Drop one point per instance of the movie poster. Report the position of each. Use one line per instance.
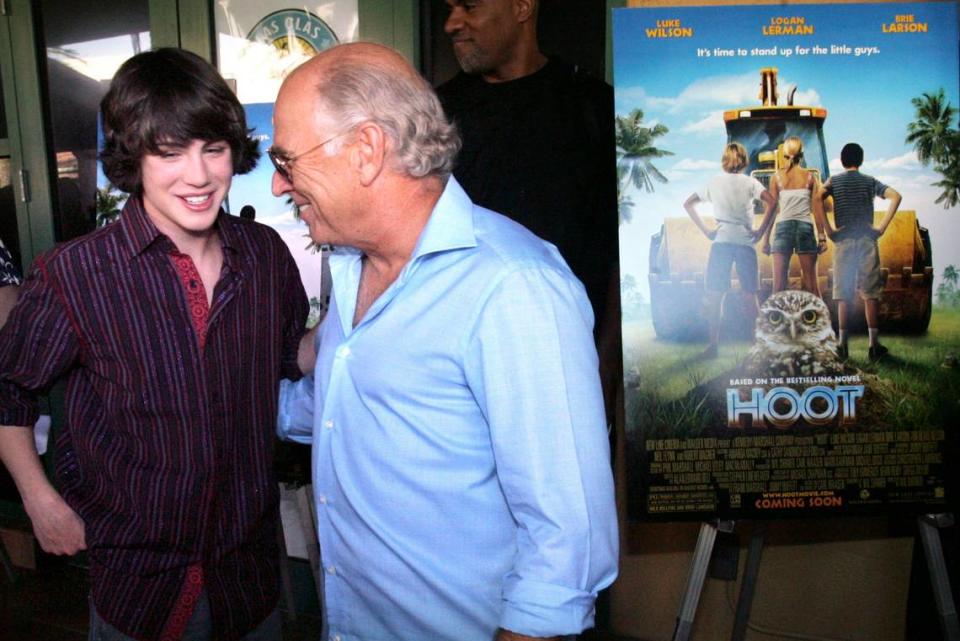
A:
(258, 44)
(745, 395)
(254, 190)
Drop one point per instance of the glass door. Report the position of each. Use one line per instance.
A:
(56, 59)
(83, 49)
(9, 234)
(24, 183)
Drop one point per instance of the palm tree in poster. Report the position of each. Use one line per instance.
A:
(947, 289)
(109, 203)
(636, 151)
(930, 132)
(937, 142)
(951, 275)
(950, 196)
(625, 204)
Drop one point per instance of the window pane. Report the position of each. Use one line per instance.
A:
(84, 49)
(3, 114)
(8, 214)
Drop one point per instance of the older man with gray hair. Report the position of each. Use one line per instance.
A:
(461, 463)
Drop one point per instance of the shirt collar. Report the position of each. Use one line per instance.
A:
(450, 225)
(140, 233)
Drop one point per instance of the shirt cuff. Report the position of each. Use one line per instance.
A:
(541, 609)
(295, 410)
(19, 407)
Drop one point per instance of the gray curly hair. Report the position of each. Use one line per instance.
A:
(403, 105)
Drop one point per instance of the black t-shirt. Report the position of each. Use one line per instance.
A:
(540, 149)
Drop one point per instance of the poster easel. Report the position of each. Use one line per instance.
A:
(929, 526)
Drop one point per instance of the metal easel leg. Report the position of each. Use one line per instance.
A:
(698, 573)
(749, 583)
(929, 525)
(289, 601)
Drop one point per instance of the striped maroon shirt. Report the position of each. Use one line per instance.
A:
(166, 451)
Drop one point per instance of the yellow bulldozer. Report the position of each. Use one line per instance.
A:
(678, 253)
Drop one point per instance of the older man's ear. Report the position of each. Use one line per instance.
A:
(368, 152)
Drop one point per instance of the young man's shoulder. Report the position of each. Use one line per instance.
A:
(95, 245)
(259, 244)
(257, 232)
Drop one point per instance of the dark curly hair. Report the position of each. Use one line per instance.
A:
(169, 96)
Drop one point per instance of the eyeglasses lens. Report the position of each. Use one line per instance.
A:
(280, 164)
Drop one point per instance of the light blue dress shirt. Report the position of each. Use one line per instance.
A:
(461, 466)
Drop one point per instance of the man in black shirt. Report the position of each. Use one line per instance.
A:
(538, 146)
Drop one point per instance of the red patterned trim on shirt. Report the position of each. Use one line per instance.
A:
(196, 293)
(183, 609)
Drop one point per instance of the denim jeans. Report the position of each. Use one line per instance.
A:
(199, 628)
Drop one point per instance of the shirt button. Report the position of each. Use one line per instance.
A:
(323, 500)
(343, 352)
(331, 569)
(328, 424)
(337, 638)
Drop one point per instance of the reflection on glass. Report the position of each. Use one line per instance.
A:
(3, 114)
(8, 214)
(259, 42)
(84, 50)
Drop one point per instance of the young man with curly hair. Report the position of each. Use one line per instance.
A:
(172, 328)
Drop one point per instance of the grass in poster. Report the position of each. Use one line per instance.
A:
(919, 379)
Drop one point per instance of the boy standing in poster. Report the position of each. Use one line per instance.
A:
(732, 194)
(856, 258)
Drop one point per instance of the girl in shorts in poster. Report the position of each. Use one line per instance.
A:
(795, 189)
(733, 195)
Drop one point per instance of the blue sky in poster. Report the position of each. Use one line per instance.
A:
(254, 189)
(867, 97)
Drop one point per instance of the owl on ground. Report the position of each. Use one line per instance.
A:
(793, 337)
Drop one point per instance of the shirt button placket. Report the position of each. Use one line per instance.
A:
(341, 355)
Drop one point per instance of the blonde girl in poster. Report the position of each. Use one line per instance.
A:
(794, 189)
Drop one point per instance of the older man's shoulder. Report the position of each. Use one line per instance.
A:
(509, 243)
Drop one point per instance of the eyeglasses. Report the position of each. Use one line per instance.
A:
(282, 162)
